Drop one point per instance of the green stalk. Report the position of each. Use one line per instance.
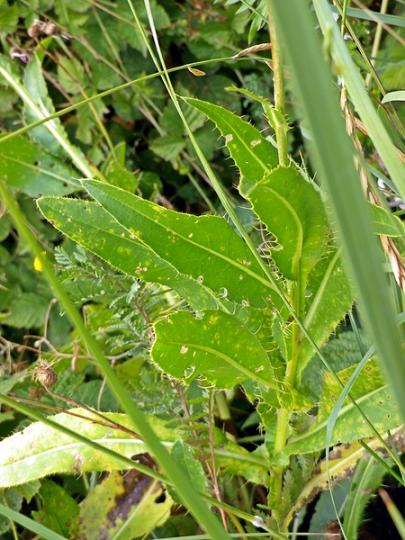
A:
(77, 159)
(358, 94)
(110, 91)
(377, 40)
(189, 497)
(283, 414)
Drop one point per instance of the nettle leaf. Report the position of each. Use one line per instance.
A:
(292, 210)
(115, 171)
(217, 348)
(123, 507)
(92, 227)
(254, 155)
(27, 310)
(204, 247)
(329, 298)
(373, 395)
(31, 169)
(168, 147)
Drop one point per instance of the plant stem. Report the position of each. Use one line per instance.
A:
(377, 40)
(279, 93)
(283, 414)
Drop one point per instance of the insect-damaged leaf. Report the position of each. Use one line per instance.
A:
(292, 210)
(123, 506)
(252, 153)
(92, 227)
(217, 347)
(204, 247)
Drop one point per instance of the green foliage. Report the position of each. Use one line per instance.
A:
(205, 247)
(33, 170)
(95, 229)
(371, 393)
(222, 329)
(292, 211)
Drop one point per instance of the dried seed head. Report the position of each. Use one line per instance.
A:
(45, 374)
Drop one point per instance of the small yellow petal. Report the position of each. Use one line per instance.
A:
(38, 266)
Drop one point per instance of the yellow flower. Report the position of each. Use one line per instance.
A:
(38, 265)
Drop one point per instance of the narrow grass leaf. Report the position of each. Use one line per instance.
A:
(344, 63)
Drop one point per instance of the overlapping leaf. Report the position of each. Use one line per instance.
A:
(91, 226)
(40, 450)
(375, 399)
(329, 298)
(204, 247)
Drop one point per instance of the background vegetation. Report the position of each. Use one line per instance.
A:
(201, 291)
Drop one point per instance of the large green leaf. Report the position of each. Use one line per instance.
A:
(91, 226)
(217, 348)
(375, 399)
(204, 247)
(31, 169)
(292, 210)
(252, 153)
